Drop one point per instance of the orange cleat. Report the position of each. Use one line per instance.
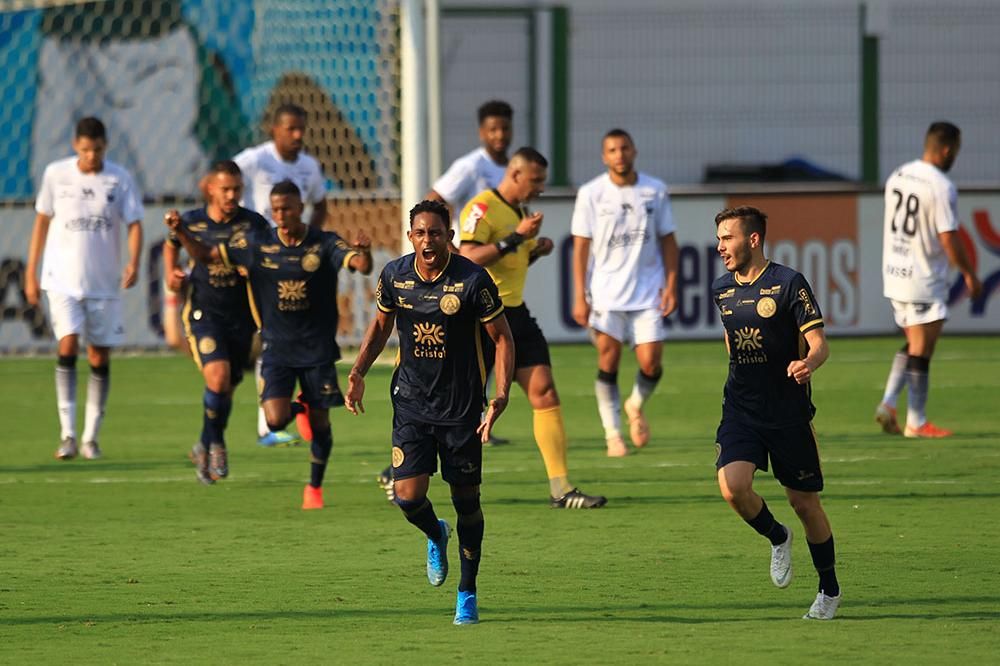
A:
(885, 416)
(312, 498)
(302, 422)
(928, 430)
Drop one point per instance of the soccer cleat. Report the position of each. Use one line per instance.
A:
(928, 430)
(302, 421)
(574, 499)
(278, 438)
(90, 450)
(199, 456)
(823, 608)
(437, 556)
(386, 483)
(496, 441)
(885, 416)
(312, 498)
(466, 608)
(616, 446)
(67, 449)
(781, 562)
(218, 462)
(638, 427)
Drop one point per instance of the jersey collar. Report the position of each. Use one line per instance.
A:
(416, 269)
(521, 210)
(747, 284)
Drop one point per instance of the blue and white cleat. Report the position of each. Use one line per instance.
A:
(466, 608)
(437, 556)
(278, 438)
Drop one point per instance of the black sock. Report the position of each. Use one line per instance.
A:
(211, 426)
(296, 408)
(768, 527)
(319, 455)
(823, 560)
(421, 514)
(470, 539)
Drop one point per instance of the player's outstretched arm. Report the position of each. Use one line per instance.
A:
(802, 371)
(362, 261)
(374, 342)
(581, 259)
(671, 259)
(200, 253)
(959, 259)
(499, 331)
(131, 273)
(39, 233)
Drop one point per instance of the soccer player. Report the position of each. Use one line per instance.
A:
(292, 270)
(624, 280)
(83, 206)
(264, 165)
(440, 303)
(500, 234)
(920, 240)
(217, 319)
(774, 336)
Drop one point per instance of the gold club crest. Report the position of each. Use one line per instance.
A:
(310, 262)
(397, 456)
(766, 307)
(206, 345)
(450, 304)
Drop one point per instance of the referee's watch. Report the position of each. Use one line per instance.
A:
(510, 243)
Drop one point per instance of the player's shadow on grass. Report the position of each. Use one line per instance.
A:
(92, 466)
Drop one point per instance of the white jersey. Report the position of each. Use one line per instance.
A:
(920, 203)
(263, 168)
(465, 178)
(625, 225)
(88, 213)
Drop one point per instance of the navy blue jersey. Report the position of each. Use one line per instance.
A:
(215, 290)
(765, 323)
(440, 373)
(294, 290)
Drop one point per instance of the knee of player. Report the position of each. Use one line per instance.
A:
(804, 504)
(544, 396)
(466, 503)
(275, 423)
(736, 493)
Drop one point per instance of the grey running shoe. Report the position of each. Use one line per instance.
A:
(67, 449)
(199, 456)
(218, 462)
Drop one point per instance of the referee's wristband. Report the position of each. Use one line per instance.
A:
(510, 243)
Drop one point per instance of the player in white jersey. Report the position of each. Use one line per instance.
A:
(83, 206)
(263, 167)
(920, 240)
(625, 280)
(481, 169)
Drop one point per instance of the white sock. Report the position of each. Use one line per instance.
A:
(66, 400)
(98, 386)
(643, 388)
(609, 402)
(896, 381)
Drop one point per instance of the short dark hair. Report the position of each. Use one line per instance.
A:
(91, 128)
(434, 208)
(943, 133)
(228, 167)
(529, 154)
(286, 188)
(753, 219)
(287, 110)
(495, 107)
(618, 132)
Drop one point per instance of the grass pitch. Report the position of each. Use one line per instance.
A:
(129, 560)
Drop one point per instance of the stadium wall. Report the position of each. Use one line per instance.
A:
(833, 237)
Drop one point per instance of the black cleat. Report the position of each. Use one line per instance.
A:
(574, 499)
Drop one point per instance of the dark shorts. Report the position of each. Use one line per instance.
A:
(317, 383)
(793, 451)
(530, 346)
(416, 447)
(211, 341)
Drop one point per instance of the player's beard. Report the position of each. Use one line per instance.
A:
(742, 258)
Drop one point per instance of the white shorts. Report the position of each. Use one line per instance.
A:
(912, 314)
(637, 326)
(99, 320)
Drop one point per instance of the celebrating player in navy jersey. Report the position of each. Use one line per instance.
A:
(774, 334)
(217, 319)
(440, 304)
(292, 270)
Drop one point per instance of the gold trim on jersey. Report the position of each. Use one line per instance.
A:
(253, 306)
(440, 275)
(480, 356)
(810, 325)
(384, 309)
(490, 317)
(347, 259)
(224, 254)
(186, 322)
(747, 284)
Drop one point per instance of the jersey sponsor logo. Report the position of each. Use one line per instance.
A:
(292, 295)
(206, 345)
(628, 237)
(198, 227)
(403, 284)
(766, 307)
(487, 298)
(806, 302)
(310, 262)
(92, 223)
(270, 249)
(748, 339)
(728, 293)
(267, 262)
(397, 456)
(456, 288)
(239, 240)
(87, 193)
(450, 304)
(476, 213)
(771, 291)
(429, 339)
(401, 302)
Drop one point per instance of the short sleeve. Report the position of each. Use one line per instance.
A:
(244, 160)
(239, 251)
(43, 202)
(454, 184)
(475, 226)
(803, 304)
(665, 216)
(946, 209)
(583, 215)
(487, 299)
(132, 210)
(383, 292)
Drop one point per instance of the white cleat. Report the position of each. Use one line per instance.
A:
(90, 451)
(824, 608)
(616, 446)
(781, 562)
